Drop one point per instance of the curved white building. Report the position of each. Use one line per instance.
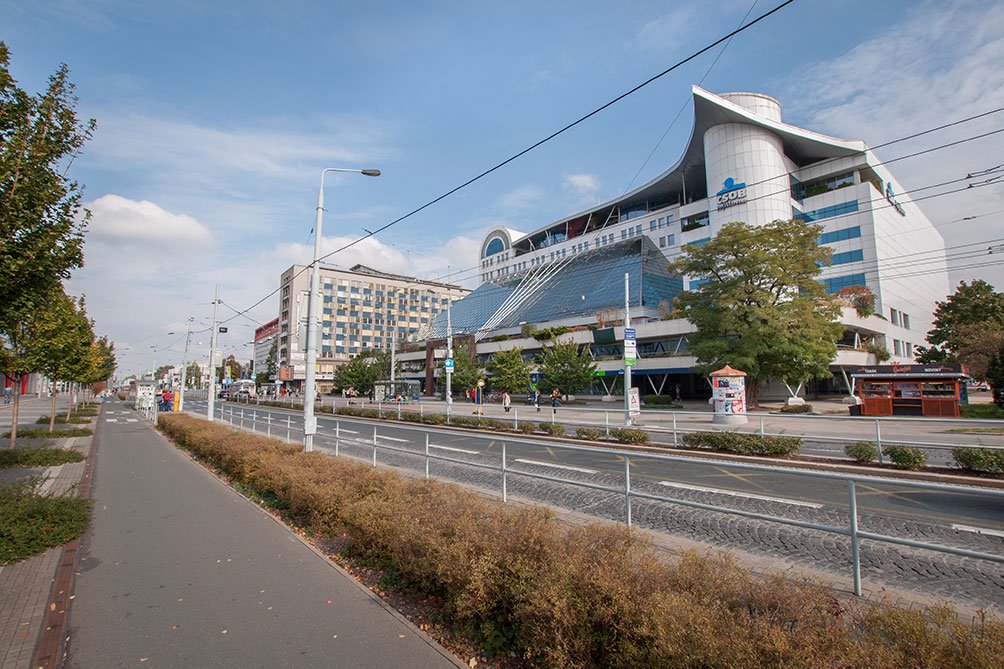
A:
(743, 163)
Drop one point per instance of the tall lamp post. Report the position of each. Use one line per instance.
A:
(309, 383)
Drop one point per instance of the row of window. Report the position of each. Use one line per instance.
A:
(825, 212)
(899, 318)
(838, 283)
(840, 235)
(902, 349)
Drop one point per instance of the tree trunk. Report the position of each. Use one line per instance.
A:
(752, 393)
(13, 420)
(52, 409)
(69, 401)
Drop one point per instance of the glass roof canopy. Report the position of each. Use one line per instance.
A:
(575, 286)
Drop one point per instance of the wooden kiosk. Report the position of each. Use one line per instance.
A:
(910, 390)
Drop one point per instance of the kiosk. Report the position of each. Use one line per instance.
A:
(728, 395)
(911, 390)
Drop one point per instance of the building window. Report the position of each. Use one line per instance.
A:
(905, 320)
(828, 212)
(662, 242)
(697, 283)
(897, 346)
(693, 222)
(652, 225)
(893, 316)
(840, 235)
(846, 257)
(838, 283)
(699, 242)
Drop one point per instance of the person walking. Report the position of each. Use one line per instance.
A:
(536, 399)
(555, 400)
(506, 401)
(7, 392)
(677, 392)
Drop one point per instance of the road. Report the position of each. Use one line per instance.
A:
(179, 570)
(960, 519)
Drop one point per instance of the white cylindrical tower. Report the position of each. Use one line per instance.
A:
(746, 171)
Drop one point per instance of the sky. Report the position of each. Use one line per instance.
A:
(214, 121)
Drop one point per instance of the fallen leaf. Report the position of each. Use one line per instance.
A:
(473, 662)
(52, 606)
(223, 631)
(143, 659)
(328, 602)
(400, 636)
(334, 636)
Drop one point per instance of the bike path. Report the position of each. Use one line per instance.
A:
(178, 570)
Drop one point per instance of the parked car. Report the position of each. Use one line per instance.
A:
(978, 386)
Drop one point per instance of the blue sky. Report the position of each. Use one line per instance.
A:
(215, 119)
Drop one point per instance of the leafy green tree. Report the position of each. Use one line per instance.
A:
(193, 375)
(761, 308)
(466, 370)
(565, 367)
(271, 366)
(995, 376)
(509, 371)
(229, 368)
(41, 231)
(963, 325)
(364, 370)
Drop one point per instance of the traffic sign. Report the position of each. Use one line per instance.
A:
(448, 363)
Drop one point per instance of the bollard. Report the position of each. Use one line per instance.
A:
(675, 443)
(627, 488)
(515, 418)
(505, 477)
(606, 420)
(761, 427)
(426, 455)
(855, 556)
(878, 440)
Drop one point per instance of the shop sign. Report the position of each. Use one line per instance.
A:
(732, 194)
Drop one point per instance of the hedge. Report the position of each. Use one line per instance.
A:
(980, 460)
(906, 457)
(743, 444)
(542, 594)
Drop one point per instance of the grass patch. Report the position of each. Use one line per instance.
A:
(62, 420)
(981, 411)
(39, 433)
(31, 524)
(542, 594)
(38, 457)
(977, 430)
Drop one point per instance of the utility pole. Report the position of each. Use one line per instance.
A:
(211, 397)
(627, 363)
(449, 354)
(184, 365)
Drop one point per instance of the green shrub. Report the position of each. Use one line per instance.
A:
(39, 433)
(796, 408)
(553, 429)
(589, 433)
(861, 451)
(62, 420)
(906, 457)
(629, 435)
(660, 400)
(982, 460)
(743, 444)
(527, 427)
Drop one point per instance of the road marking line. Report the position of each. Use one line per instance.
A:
(581, 470)
(132, 420)
(977, 530)
(403, 441)
(111, 420)
(733, 493)
(451, 448)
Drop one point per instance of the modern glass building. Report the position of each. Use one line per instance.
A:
(741, 163)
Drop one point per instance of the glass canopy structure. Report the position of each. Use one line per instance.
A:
(573, 287)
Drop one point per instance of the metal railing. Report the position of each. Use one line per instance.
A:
(238, 417)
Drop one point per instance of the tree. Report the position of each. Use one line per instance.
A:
(963, 324)
(995, 376)
(509, 371)
(271, 371)
(230, 368)
(364, 370)
(466, 370)
(760, 308)
(41, 231)
(193, 375)
(563, 366)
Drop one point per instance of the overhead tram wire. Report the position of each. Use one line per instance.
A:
(543, 141)
(684, 105)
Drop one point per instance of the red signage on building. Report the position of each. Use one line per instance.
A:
(266, 330)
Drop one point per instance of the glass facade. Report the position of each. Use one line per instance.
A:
(838, 283)
(840, 235)
(579, 285)
(827, 212)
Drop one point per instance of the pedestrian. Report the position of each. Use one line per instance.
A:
(7, 392)
(677, 392)
(536, 399)
(506, 401)
(555, 399)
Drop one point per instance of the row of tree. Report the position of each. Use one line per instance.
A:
(42, 226)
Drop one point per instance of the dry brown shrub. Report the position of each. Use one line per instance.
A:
(592, 596)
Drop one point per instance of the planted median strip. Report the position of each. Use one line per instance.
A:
(525, 586)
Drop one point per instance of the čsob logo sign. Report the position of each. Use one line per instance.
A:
(732, 194)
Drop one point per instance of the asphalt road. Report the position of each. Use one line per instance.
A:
(965, 520)
(178, 570)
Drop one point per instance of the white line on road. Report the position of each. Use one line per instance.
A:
(132, 420)
(581, 470)
(733, 493)
(451, 448)
(403, 441)
(111, 420)
(977, 530)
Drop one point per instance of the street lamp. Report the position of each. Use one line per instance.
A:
(309, 383)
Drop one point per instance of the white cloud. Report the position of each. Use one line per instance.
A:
(520, 199)
(666, 32)
(586, 187)
(941, 63)
(118, 219)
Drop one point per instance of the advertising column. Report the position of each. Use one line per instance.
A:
(728, 394)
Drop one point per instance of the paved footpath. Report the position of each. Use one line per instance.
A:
(178, 570)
